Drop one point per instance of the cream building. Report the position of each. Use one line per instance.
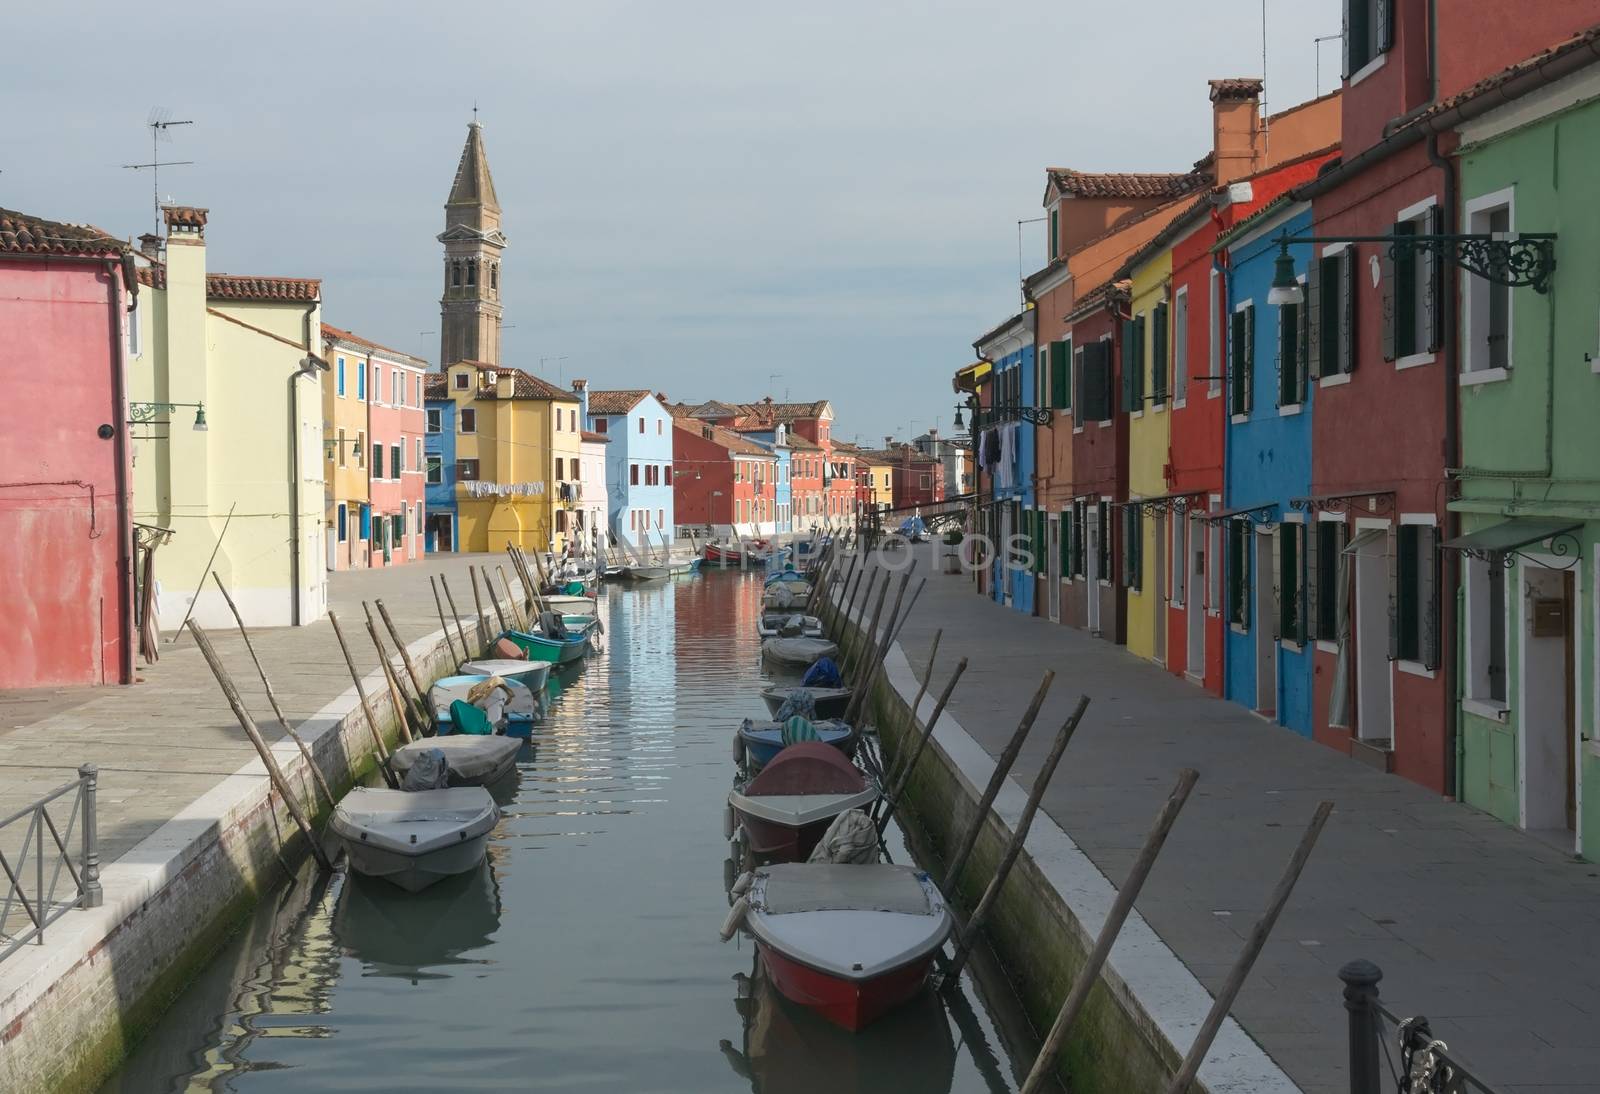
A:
(224, 391)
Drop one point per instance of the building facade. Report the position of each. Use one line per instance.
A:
(1006, 454)
(639, 462)
(441, 526)
(470, 312)
(721, 480)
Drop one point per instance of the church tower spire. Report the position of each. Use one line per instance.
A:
(469, 311)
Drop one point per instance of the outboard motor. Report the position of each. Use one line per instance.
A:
(550, 623)
(430, 771)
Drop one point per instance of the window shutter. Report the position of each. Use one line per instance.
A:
(1060, 376)
(1158, 359)
(1428, 596)
(1276, 576)
(1236, 379)
(1346, 68)
(1041, 378)
(1389, 301)
(1347, 311)
(1383, 15)
(1064, 543)
(1249, 357)
(1432, 293)
(1128, 347)
(1141, 343)
(1288, 337)
(1313, 319)
(1301, 348)
(1394, 594)
(1311, 628)
(1081, 356)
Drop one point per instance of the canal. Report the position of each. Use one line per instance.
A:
(583, 956)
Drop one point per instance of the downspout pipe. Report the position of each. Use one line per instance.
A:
(119, 403)
(1452, 443)
(307, 367)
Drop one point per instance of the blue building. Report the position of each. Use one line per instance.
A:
(638, 462)
(776, 440)
(441, 529)
(1010, 348)
(1268, 463)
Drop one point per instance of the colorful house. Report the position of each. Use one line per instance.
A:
(373, 424)
(1010, 442)
(66, 523)
(517, 461)
(805, 483)
(1092, 594)
(593, 537)
(242, 490)
(720, 477)
(639, 461)
(776, 441)
(441, 525)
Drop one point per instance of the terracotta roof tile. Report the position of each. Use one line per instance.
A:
(221, 286)
(616, 402)
(186, 216)
(331, 333)
(725, 438)
(590, 435)
(1110, 292)
(23, 234)
(1084, 184)
(1235, 87)
(433, 386)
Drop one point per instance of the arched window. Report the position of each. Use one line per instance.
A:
(455, 273)
(494, 275)
(472, 273)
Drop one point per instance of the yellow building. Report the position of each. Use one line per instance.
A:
(880, 475)
(518, 458)
(223, 378)
(344, 423)
(1149, 437)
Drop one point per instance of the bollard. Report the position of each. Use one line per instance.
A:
(93, 895)
(1360, 999)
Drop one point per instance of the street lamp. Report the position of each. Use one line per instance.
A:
(142, 413)
(1285, 286)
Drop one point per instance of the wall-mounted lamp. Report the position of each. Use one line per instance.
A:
(145, 413)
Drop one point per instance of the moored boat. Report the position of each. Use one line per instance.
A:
(777, 624)
(760, 742)
(557, 650)
(787, 807)
(471, 759)
(799, 653)
(851, 942)
(415, 838)
(826, 702)
(572, 605)
(520, 712)
(646, 573)
(717, 554)
(530, 674)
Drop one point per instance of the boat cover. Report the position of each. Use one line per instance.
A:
(829, 887)
(551, 626)
(425, 767)
(851, 839)
(823, 674)
(810, 767)
(799, 651)
(469, 720)
(469, 756)
(801, 703)
(780, 596)
(503, 666)
(798, 730)
(415, 824)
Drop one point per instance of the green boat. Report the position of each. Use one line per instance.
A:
(560, 651)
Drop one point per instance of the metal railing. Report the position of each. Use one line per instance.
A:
(1420, 1062)
(28, 909)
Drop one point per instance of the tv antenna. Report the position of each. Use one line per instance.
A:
(159, 122)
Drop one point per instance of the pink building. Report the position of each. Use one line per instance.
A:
(66, 525)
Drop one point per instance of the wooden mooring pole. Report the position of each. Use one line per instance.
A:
(445, 626)
(1252, 950)
(402, 708)
(405, 658)
(467, 654)
(272, 696)
(1019, 836)
(268, 760)
(867, 638)
(1045, 1062)
(366, 705)
(903, 778)
(1002, 767)
(481, 629)
(517, 615)
(891, 632)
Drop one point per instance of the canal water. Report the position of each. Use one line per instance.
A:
(583, 956)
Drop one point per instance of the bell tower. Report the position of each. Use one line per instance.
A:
(469, 310)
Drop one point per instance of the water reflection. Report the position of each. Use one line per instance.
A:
(417, 936)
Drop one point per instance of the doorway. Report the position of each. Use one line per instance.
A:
(1091, 522)
(1374, 675)
(1266, 621)
(1194, 589)
(1053, 578)
(1003, 556)
(1158, 601)
(441, 532)
(1547, 699)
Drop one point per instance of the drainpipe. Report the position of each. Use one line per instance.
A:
(307, 367)
(119, 398)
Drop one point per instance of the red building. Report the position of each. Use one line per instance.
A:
(805, 483)
(1380, 359)
(66, 525)
(720, 480)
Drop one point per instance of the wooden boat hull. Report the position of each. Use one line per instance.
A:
(540, 648)
(647, 573)
(851, 1004)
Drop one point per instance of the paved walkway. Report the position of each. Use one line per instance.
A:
(1489, 932)
(166, 741)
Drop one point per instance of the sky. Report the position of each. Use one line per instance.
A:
(713, 200)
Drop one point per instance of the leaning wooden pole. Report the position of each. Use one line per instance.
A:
(881, 654)
(448, 640)
(482, 627)
(903, 778)
(841, 615)
(1019, 836)
(869, 651)
(866, 636)
(494, 601)
(268, 760)
(1002, 767)
(927, 678)
(455, 613)
(839, 579)
(405, 658)
(272, 696)
(366, 704)
(402, 709)
(1045, 1062)
(517, 615)
(1252, 949)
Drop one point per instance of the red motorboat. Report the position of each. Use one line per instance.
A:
(851, 942)
(754, 552)
(786, 809)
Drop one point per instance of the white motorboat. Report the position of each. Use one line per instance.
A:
(474, 759)
(532, 675)
(772, 624)
(571, 605)
(414, 839)
(799, 653)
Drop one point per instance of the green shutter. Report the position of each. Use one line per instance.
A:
(1064, 542)
(1055, 234)
(1061, 376)
(1289, 581)
(1347, 311)
(1158, 357)
(1288, 355)
(1129, 344)
(1311, 312)
(1249, 357)
(1236, 364)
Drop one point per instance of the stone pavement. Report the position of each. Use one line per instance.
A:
(166, 741)
(1489, 932)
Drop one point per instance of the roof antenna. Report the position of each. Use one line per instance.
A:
(1316, 44)
(159, 122)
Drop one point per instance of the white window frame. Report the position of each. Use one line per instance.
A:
(1111, 420)
(1289, 520)
(1214, 590)
(1486, 203)
(1178, 559)
(1178, 336)
(1336, 378)
(1426, 520)
(461, 421)
(434, 421)
(1418, 212)
(1241, 419)
(461, 381)
(1324, 644)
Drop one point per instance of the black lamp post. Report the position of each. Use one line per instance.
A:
(1514, 259)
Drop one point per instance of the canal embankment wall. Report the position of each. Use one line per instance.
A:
(71, 1009)
(1146, 1006)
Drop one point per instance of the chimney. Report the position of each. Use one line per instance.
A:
(1236, 128)
(582, 388)
(150, 246)
(888, 443)
(185, 223)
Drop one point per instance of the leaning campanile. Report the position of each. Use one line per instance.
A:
(469, 311)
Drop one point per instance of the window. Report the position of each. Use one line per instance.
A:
(601, 424)
(1239, 574)
(467, 470)
(377, 461)
(1291, 593)
(561, 467)
(1368, 32)
(1080, 512)
(1055, 234)
(660, 425)
(377, 384)
(1134, 340)
(669, 474)
(1411, 284)
(435, 467)
(397, 525)
(339, 375)
(366, 522)
(1103, 518)
(397, 460)
(344, 523)
(361, 450)
(1061, 375)
(494, 275)
(1291, 370)
(641, 425)
(419, 464)
(1324, 557)
(1330, 322)
(472, 273)
(1093, 402)
(1214, 338)
(561, 520)
(435, 421)
(136, 330)
(1413, 631)
(461, 380)
(661, 518)
(361, 382)
(1133, 547)
(1213, 568)
(455, 274)
(1487, 306)
(1180, 347)
(418, 399)
(1486, 630)
(397, 388)
(1158, 354)
(469, 420)
(1242, 357)
(341, 449)
(633, 474)
(1178, 576)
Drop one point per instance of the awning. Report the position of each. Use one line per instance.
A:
(1509, 535)
(969, 378)
(1264, 509)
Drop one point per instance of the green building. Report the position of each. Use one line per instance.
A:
(1527, 493)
